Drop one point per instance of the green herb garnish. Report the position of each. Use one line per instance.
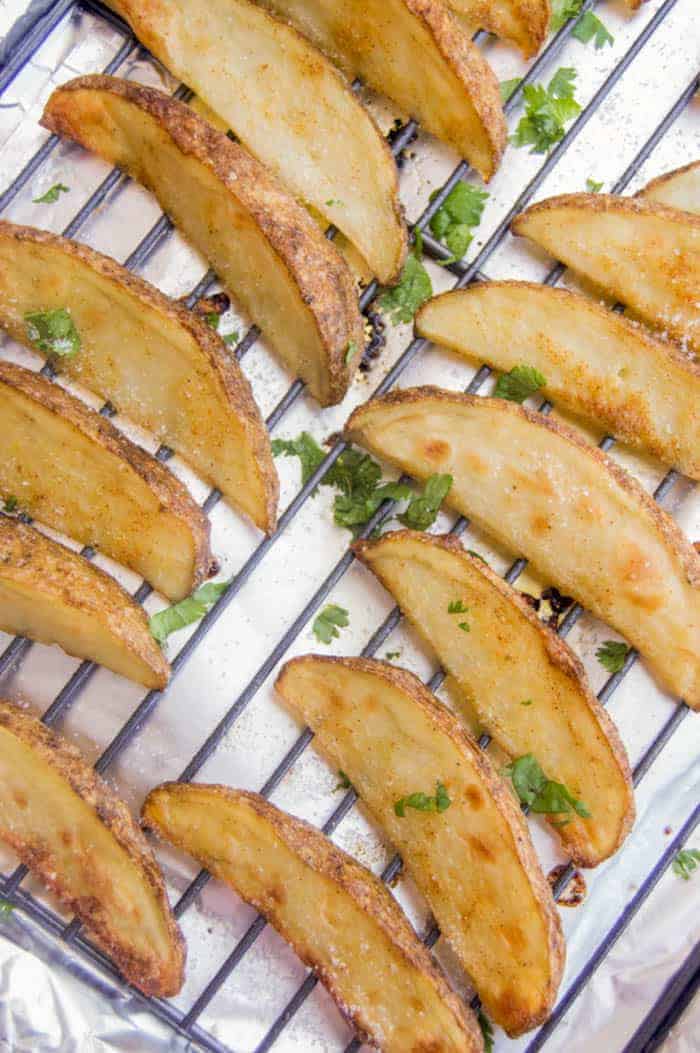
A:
(52, 194)
(352, 350)
(10, 503)
(547, 110)
(612, 654)
(187, 611)
(414, 287)
(305, 448)
(391, 655)
(519, 383)
(527, 702)
(343, 782)
(459, 213)
(486, 1030)
(328, 623)
(686, 862)
(232, 338)
(53, 332)
(538, 792)
(507, 87)
(477, 555)
(422, 802)
(590, 28)
(6, 908)
(423, 508)
(212, 318)
(593, 186)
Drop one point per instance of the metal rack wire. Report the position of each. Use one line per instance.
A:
(186, 1022)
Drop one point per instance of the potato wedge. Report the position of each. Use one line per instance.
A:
(415, 52)
(70, 468)
(73, 832)
(524, 22)
(677, 189)
(585, 524)
(644, 254)
(262, 244)
(339, 918)
(596, 362)
(474, 862)
(288, 104)
(52, 595)
(509, 657)
(150, 357)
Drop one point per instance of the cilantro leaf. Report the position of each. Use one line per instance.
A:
(486, 1030)
(562, 11)
(422, 802)
(423, 509)
(53, 332)
(391, 655)
(589, 27)
(612, 654)
(52, 195)
(6, 908)
(232, 338)
(527, 702)
(458, 214)
(507, 87)
(414, 287)
(10, 503)
(592, 186)
(456, 607)
(686, 862)
(305, 448)
(538, 792)
(477, 555)
(328, 623)
(343, 781)
(212, 318)
(187, 611)
(351, 351)
(547, 110)
(519, 383)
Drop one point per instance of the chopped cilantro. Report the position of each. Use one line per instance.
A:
(589, 27)
(212, 318)
(507, 87)
(328, 623)
(423, 509)
(422, 802)
(547, 110)
(476, 555)
(391, 655)
(343, 782)
(305, 448)
(232, 338)
(612, 654)
(519, 383)
(686, 862)
(52, 194)
(350, 353)
(593, 186)
(53, 332)
(333, 201)
(538, 792)
(562, 11)
(527, 702)
(456, 607)
(6, 908)
(458, 214)
(486, 1030)
(10, 503)
(414, 287)
(187, 611)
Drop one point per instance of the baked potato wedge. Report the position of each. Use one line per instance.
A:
(528, 689)
(473, 860)
(73, 832)
(159, 363)
(596, 362)
(340, 919)
(584, 523)
(290, 107)
(71, 469)
(54, 596)
(522, 22)
(645, 254)
(263, 245)
(677, 189)
(415, 52)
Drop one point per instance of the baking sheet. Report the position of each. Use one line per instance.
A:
(47, 1008)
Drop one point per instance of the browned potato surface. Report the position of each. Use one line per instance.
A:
(71, 469)
(473, 861)
(528, 689)
(263, 245)
(339, 918)
(524, 22)
(677, 189)
(72, 831)
(585, 524)
(595, 362)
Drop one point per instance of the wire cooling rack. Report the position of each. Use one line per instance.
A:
(187, 1019)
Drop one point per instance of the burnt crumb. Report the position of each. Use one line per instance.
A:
(395, 131)
(376, 343)
(668, 830)
(532, 601)
(333, 438)
(575, 892)
(558, 605)
(218, 304)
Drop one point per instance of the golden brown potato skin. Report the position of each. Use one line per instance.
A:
(581, 519)
(642, 253)
(524, 22)
(339, 918)
(53, 595)
(677, 189)
(596, 362)
(509, 656)
(72, 831)
(154, 360)
(415, 52)
(71, 469)
(474, 862)
(263, 245)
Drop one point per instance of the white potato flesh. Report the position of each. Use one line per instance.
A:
(677, 189)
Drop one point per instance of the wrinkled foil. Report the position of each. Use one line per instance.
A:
(45, 1002)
